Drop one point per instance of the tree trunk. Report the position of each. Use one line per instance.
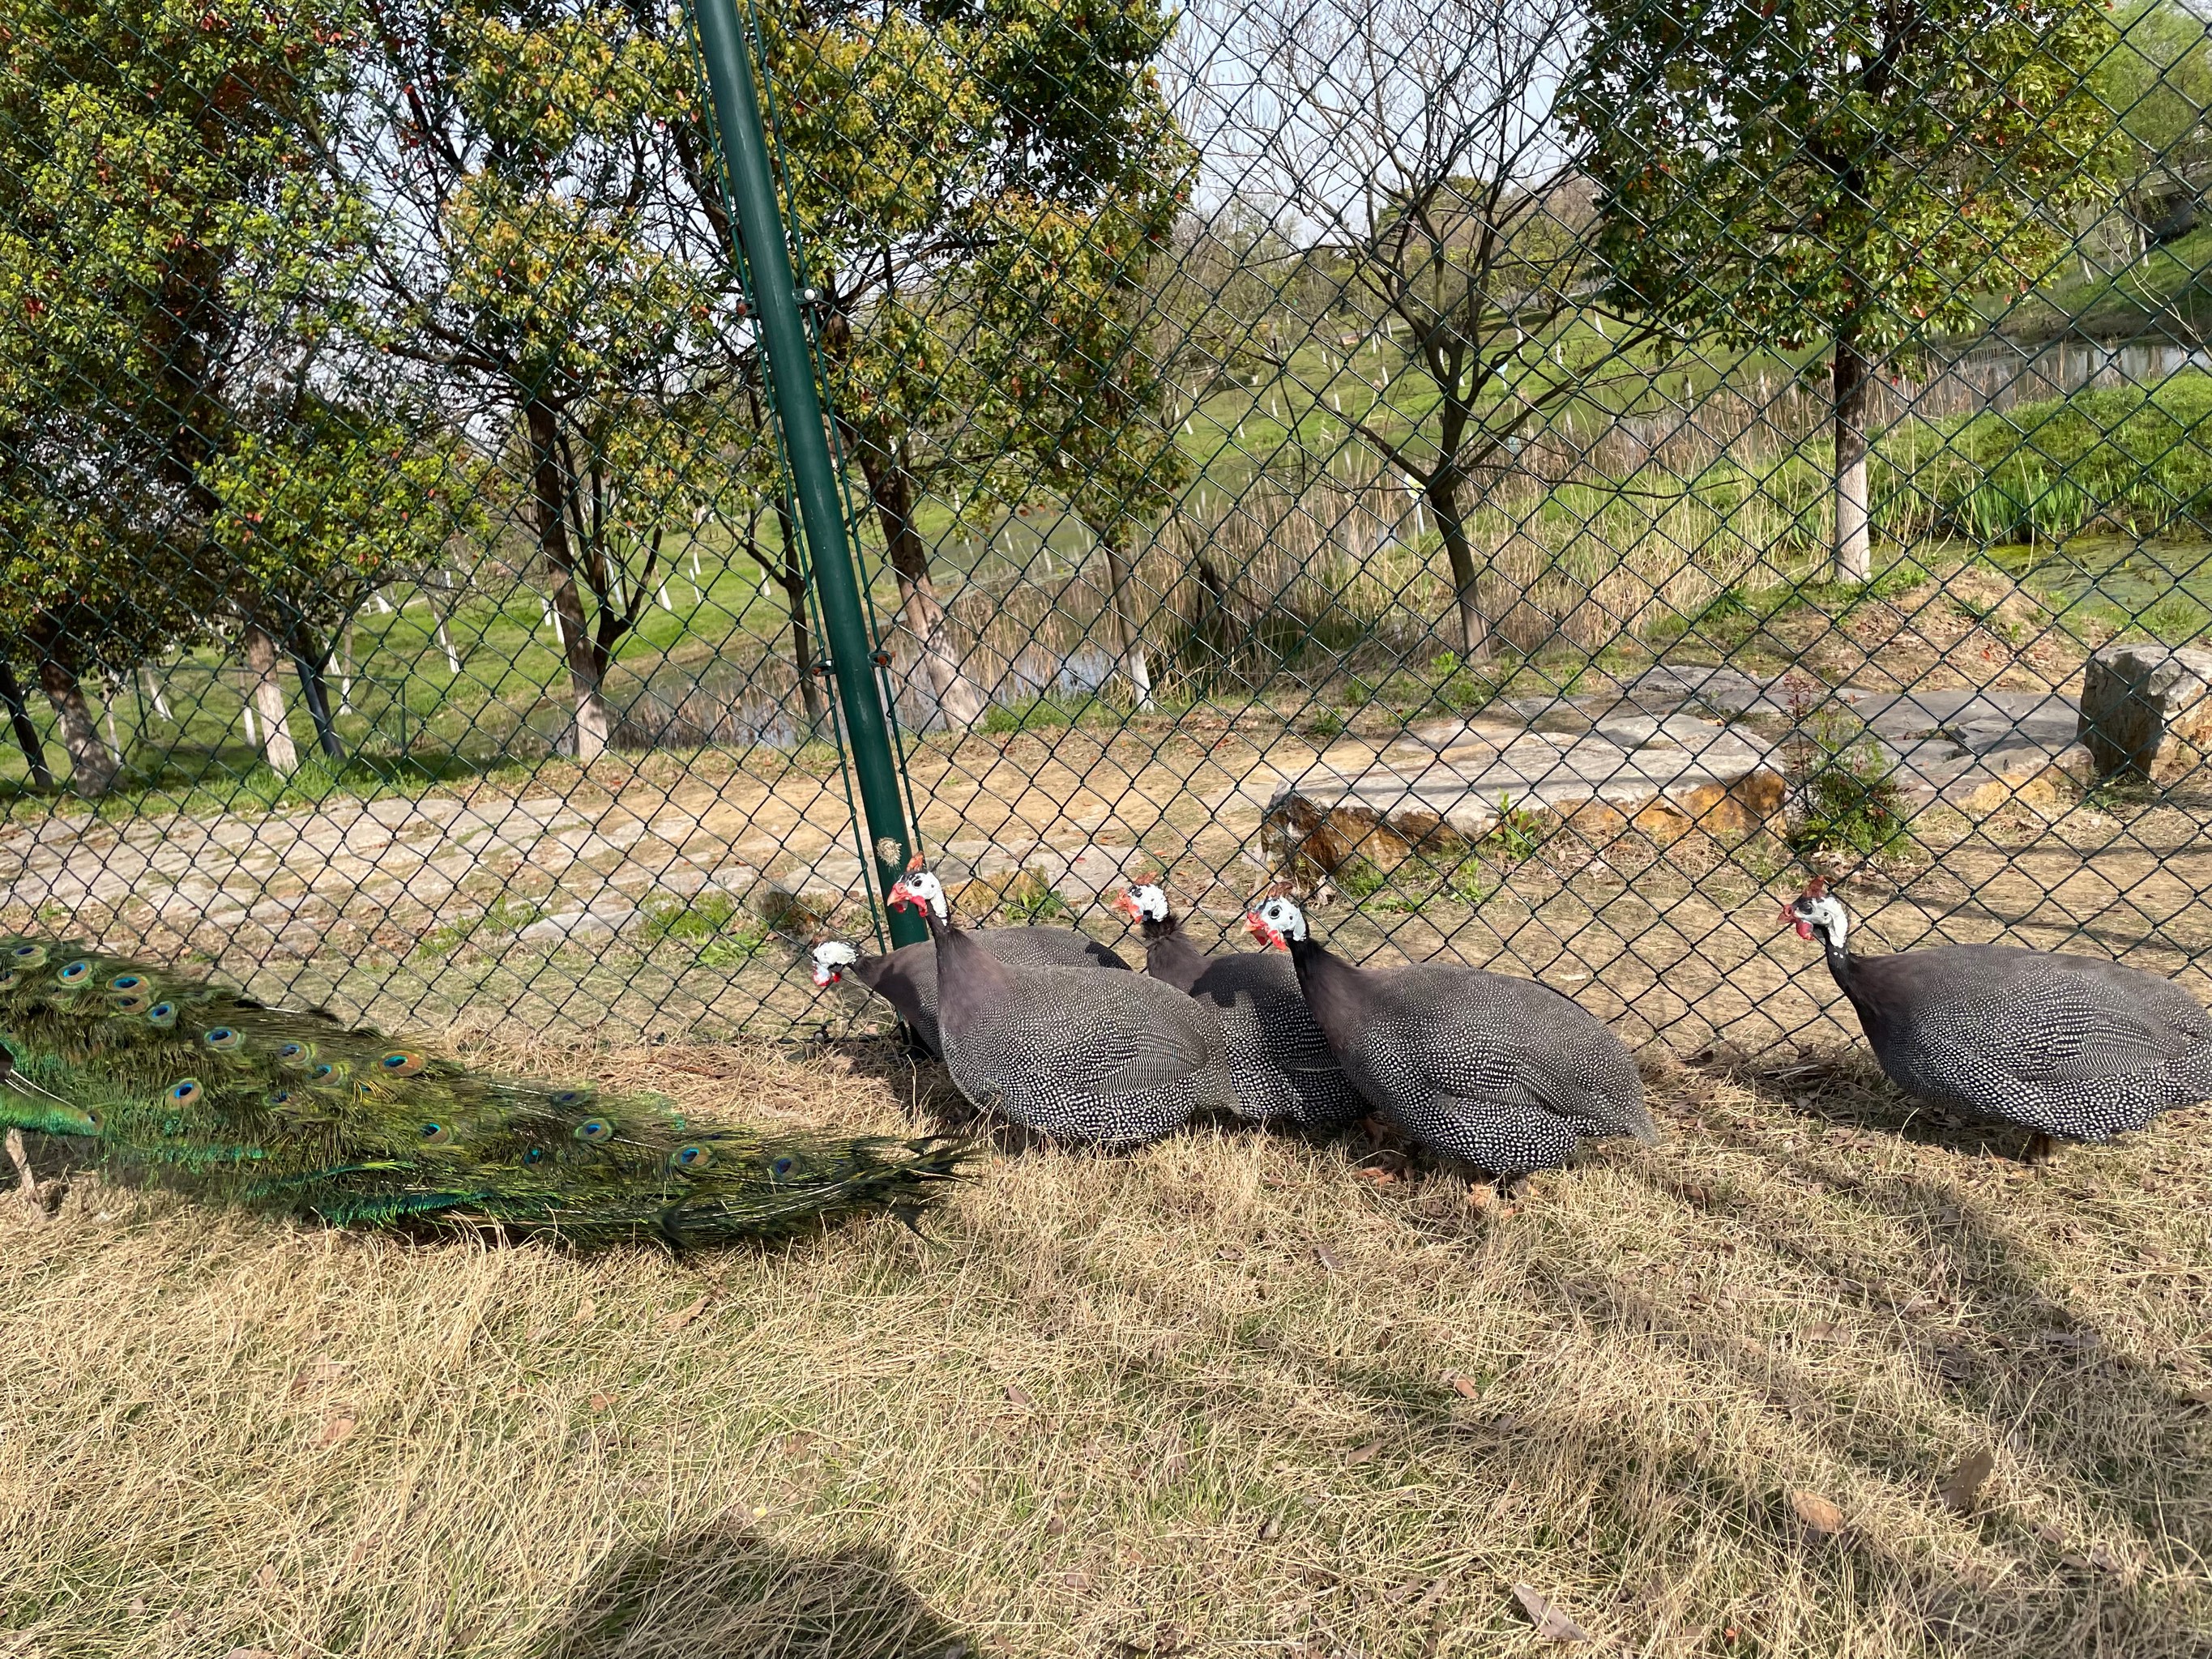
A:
(27, 735)
(892, 492)
(1854, 543)
(260, 654)
(1128, 642)
(315, 692)
(1442, 489)
(91, 767)
(587, 736)
(793, 579)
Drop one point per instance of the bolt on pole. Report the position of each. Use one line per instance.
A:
(751, 182)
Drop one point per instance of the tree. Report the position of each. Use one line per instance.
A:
(1417, 148)
(548, 264)
(930, 148)
(1089, 402)
(1840, 172)
(177, 270)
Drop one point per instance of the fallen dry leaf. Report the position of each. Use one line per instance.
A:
(1328, 1258)
(2103, 1559)
(1817, 1514)
(1552, 1623)
(1361, 1453)
(1465, 1387)
(586, 1311)
(1018, 1395)
(336, 1430)
(268, 1578)
(684, 1315)
(1963, 1484)
(599, 1402)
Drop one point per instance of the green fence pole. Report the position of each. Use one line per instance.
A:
(798, 412)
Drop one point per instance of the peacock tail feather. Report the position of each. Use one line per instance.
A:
(178, 1081)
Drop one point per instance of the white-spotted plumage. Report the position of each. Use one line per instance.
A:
(1504, 1073)
(1106, 1059)
(1281, 1061)
(2072, 1046)
(907, 977)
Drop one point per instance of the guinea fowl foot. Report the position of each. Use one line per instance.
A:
(2039, 1149)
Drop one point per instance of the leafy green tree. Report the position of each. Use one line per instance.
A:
(1085, 413)
(931, 149)
(548, 261)
(179, 265)
(1835, 173)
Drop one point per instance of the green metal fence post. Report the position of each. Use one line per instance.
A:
(798, 412)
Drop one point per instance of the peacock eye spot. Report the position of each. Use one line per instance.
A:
(324, 1070)
(400, 1063)
(27, 953)
(564, 1099)
(437, 1134)
(691, 1158)
(595, 1131)
(126, 982)
(533, 1155)
(280, 1097)
(222, 1039)
(75, 974)
(163, 1014)
(782, 1167)
(185, 1090)
(10, 980)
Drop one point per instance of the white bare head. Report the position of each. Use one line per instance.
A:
(832, 956)
(1276, 921)
(920, 889)
(1816, 911)
(1142, 900)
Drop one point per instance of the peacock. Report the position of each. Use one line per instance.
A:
(176, 1081)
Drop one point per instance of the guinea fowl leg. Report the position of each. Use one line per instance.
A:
(2039, 1149)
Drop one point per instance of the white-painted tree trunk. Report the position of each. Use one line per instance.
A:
(276, 747)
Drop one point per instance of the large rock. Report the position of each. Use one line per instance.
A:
(1665, 776)
(2147, 711)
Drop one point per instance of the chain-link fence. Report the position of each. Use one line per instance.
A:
(1541, 476)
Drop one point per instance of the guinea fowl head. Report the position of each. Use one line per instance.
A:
(1816, 911)
(1276, 921)
(919, 889)
(832, 956)
(1144, 900)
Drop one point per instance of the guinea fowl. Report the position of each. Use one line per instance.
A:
(1277, 1054)
(907, 977)
(1504, 1073)
(1113, 1060)
(2076, 1047)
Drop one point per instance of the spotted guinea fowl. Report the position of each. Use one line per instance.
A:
(1282, 1063)
(1112, 1060)
(907, 977)
(1504, 1073)
(2074, 1047)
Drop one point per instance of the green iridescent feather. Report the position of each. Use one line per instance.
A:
(178, 1081)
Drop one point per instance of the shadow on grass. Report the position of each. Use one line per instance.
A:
(723, 1592)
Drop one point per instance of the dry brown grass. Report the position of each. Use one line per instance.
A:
(1234, 1394)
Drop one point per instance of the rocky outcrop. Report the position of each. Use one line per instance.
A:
(2147, 711)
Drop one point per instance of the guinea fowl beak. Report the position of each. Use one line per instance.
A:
(1257, 926)
(1790, 918)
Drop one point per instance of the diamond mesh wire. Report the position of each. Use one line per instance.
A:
(1543, 478)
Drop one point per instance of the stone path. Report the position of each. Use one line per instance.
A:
(1679, 749)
